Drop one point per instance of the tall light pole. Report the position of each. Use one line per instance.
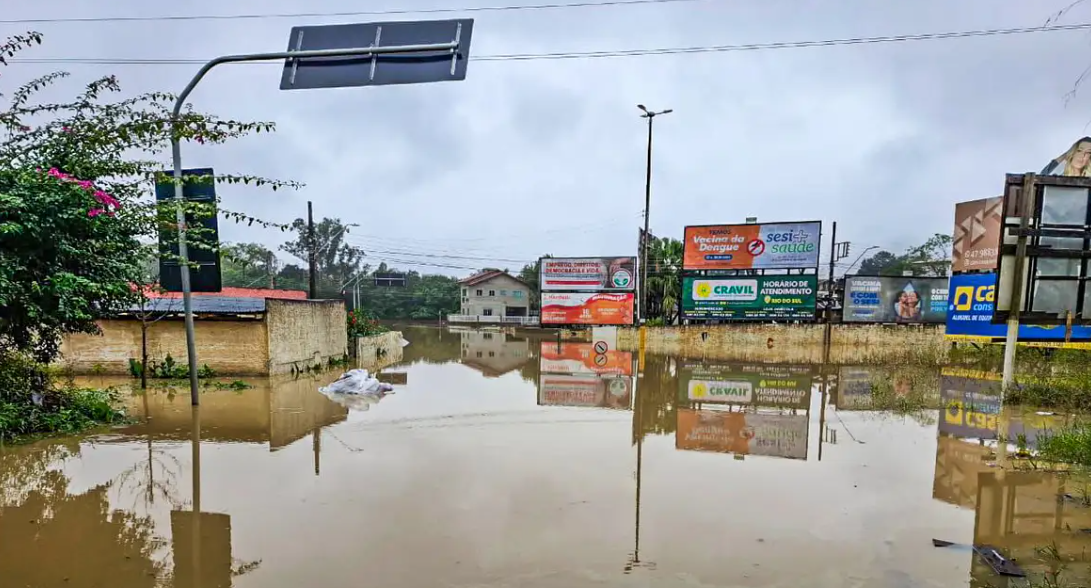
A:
(650, 115)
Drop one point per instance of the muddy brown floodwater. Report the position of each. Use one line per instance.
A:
(505, 460)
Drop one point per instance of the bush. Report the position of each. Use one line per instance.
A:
(32, 403)
(363, 324)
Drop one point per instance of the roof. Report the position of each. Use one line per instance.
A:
(230, 292)
(205, 305)
(487, 275)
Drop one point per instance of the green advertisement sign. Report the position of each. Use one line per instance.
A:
(751, 384)
(749, 298)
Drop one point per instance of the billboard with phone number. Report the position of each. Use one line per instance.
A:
(970, 314)
(891, 299)
(749, 298)
(752, 246)
(757, 384)
(588, 274)
(587, 308)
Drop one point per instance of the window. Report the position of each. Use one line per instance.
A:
(492, 354)
(492, 292)
(486, 312)
(479, 354)
(479, 292)
(503, 292)
(517, 293)
(465, 291)
(486, 336)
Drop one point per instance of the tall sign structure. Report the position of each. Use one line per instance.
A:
(587, 291)
(332, 56)
(751, 272)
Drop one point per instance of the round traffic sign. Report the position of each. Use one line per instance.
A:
(601, 347)
(600, 360)
(755, 247)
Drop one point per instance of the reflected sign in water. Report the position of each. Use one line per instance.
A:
(585, 390)
(971, 406)
(757, 384)
(741, 433)
(581, 358)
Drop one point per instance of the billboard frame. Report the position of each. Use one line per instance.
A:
(1026, 209)
(818, 249)
(580, 326)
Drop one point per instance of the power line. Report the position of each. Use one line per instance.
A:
(632, 52)
(390, 12)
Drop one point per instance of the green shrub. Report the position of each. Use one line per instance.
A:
(32, 403)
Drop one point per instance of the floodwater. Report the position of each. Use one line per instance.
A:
(505, 461)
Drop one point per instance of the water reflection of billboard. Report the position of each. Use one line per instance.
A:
(580, 358)
(970, 407)
(213, 561)
(585, 390)
(772, 435)
(759, 384)
(854, 388)
(587, 309)
(895, 300)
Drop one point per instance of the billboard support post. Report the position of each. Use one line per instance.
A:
(336, 76)
(828, 334)
(1026, 198)
(641, 314)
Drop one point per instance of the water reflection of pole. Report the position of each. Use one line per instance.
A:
(822, 411)
(638, 419)
(316, 444)
(196, 448)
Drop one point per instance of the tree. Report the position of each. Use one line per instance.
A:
(531, 274)
(880, 264)
(76, 200)
(664, 279)
(248, 265)
(335, 260)
(931, 258)
(146, 283)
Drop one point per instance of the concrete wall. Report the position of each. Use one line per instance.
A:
(379, 351)
(304, 333)
(230, 347)
(851, 344)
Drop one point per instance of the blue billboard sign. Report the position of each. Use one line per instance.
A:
(970, 313)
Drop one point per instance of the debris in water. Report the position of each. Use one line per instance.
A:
(990, 556)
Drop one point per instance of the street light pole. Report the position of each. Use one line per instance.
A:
(650, 115)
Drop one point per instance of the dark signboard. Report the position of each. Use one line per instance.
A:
(749, 298)
(202, 249)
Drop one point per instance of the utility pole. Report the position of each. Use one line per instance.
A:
(642, 313)
(271, 267)
(828, 334)
(1015, 307)
(312, 292)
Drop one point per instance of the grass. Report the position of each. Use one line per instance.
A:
(1070, 445)
(65, 411)
(907, 391)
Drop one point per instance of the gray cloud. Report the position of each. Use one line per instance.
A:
(525, 158)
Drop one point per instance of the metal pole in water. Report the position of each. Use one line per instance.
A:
(1025, 207)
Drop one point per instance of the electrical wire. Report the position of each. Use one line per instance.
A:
(628, 52)
(386, 12)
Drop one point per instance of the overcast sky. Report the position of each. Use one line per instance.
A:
(531, 157)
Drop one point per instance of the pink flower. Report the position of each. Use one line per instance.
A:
(200, 139)
(66, 130)
(95, 212)
(24, 128)
(86, 184)
(54, 172)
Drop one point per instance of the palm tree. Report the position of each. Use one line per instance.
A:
(664, 279)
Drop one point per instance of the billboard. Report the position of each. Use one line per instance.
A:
(757, 384)
(588, 274)
(752, 246)
(970, 314)
(749, 298)
(581, 358)
(772, 435)
(971, 407)
(904, 299)
(1076, 162)
(976, 242)
(587, 309)
(203, 249)
(585, 391)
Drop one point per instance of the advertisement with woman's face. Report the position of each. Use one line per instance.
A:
(895, 299)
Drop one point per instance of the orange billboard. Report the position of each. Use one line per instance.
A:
(585, 390)
(752, 246)
(976, 242)
(712, 430)
(587, 309)
(581, 358)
